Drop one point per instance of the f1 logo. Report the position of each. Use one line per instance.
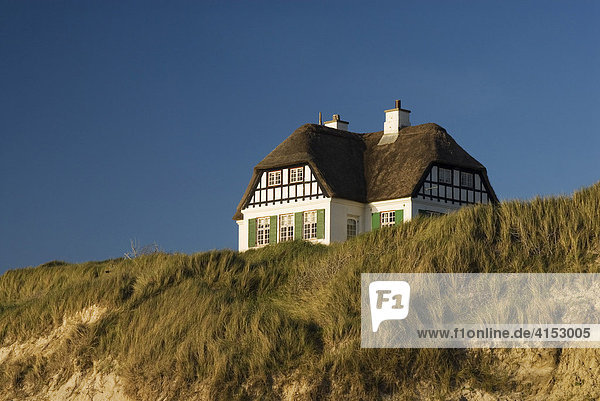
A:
(389, 301)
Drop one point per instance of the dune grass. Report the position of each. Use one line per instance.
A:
(225, 325)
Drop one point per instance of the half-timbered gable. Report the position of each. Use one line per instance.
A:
(285, 185)
(326, 184)
(454, 185)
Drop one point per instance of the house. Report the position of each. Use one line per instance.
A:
(325, 183)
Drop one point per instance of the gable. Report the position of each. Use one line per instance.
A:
(287, 184)
(454, 185)
(336, 158)
(396, 169)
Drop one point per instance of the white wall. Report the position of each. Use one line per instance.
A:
(394, 120)
(341, 125)
(404, 204)
(341, 211)
(276, 210)
(337, 212)
(242, 234)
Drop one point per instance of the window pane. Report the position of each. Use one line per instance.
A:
(310, 225)
(466, 179)
(274, 178)
(445, 176)
(297, 175)
(351, 228)
(262, 230)
(286, 231)
(310, 217)
(388, 218)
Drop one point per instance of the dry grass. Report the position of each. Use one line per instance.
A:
(224, 325)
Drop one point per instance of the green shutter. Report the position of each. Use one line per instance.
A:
(375, 221)
(321, 223)
(399, 216)
(251, 233)
(273, 230)
(298, 225)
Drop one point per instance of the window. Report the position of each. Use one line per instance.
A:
(466, 179)
(351, 227)
(274, 178)
(429, 213)
(262, 230)
(296, 175)
(388, 218)
(310, 225)
(445, 175)
(286, 230)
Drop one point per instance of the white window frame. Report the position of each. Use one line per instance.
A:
(263, 231)
(274, 178)
(286, 227)
(296, 175)
(351, 231)
(446, 177)
(309, 225)
(429, 213)
(388, 218)
(466, 179)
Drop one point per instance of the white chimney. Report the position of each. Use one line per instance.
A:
(396, 119)
(337, 123)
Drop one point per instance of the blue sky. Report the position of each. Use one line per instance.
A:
(122, 120)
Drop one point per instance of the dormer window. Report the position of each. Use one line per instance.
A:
(296, 175)
(274, 178)
(466, 179)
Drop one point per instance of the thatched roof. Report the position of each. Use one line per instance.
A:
(354, 167)
(395, 170)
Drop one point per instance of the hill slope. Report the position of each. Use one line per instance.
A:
(283, 322)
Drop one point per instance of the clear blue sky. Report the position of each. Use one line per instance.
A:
(123, 119)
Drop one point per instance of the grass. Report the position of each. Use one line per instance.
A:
(225, 325)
